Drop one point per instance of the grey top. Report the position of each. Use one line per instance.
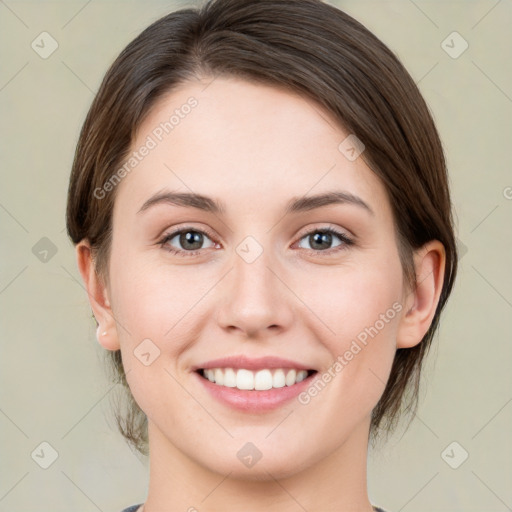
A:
(134, 508)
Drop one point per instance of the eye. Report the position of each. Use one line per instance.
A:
(321, 240)
(190, 239)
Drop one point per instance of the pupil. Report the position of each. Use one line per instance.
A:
(191, 237)
(318, 238)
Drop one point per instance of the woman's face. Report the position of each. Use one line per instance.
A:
(256, 279)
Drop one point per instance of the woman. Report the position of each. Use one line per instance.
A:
(260, 206)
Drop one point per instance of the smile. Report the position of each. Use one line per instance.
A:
(260, 380)
(254, 391)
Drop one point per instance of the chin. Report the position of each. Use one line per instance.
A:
(267, 463)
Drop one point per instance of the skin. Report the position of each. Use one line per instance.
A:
(255, 147)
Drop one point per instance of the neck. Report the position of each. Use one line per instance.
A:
(336, 481)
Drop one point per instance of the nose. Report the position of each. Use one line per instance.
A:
(255, 300)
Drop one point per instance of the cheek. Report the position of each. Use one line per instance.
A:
(349, 300)
(154, 313)
(151, 297)
(361, 309)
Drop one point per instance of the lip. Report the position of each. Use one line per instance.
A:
(253, 401)
(254, 364)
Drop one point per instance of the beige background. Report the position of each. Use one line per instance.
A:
(52, 384)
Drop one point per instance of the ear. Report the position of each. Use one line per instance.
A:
(98, 297)
(420, 304)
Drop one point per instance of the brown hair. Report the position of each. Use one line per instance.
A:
(310, 48)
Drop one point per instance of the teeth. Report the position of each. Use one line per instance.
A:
(229, 378)
(263, 380)
(291, 377)
(219, 376)
(301, 376)
(279, 379)
(244, 379)
(260, 380)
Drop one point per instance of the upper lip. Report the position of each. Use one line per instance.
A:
(259, 363)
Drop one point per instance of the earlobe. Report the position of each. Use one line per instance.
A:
(98, 297)
(421, 303)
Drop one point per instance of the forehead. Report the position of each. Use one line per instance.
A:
(252, 145)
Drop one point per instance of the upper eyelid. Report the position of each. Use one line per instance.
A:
(172, 233)
(326, 227)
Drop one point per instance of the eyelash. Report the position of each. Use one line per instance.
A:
(346, 241)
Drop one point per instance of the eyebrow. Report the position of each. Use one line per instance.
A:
(294, 205)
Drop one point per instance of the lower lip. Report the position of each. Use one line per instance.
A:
(253, 400)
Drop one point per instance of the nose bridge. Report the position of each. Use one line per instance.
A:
(252, 276)
(255, 299)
